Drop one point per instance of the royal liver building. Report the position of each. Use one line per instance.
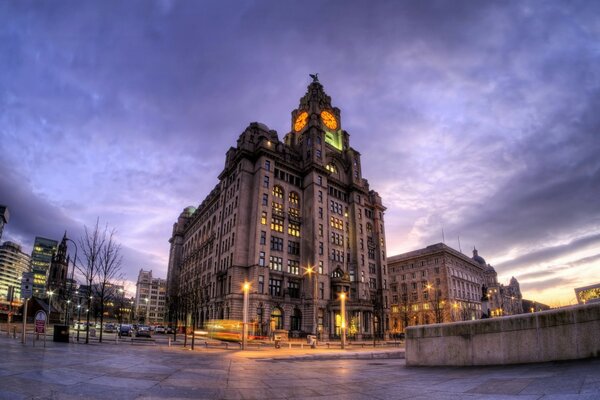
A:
(295, 219)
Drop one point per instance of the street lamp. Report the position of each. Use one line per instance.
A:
(311, 270)
(246, 289)
(50, 293)
(343, 312)
(70, 284)
(147, 312)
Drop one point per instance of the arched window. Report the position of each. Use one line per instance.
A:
(331, 168)
(278, 191)
(294, 198)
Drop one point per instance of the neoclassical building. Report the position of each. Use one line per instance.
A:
(296, 219)
(440, 284)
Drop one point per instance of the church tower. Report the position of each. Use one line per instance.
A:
(57, 276)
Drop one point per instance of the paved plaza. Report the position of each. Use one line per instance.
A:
(157, 371)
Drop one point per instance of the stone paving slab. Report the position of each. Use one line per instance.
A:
(110, 371)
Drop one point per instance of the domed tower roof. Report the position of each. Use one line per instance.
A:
(480, 260)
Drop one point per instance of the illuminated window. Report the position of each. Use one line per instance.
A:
(263, 218)
(331, 168)
(276, 263)
(336, 223)
(369, 229)
(294, 198)
(278, 191)
(294, 213)
(294, 229)
(293, 267)
(277, 223)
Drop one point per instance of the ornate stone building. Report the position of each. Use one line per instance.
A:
(296, 220)
(439, 284)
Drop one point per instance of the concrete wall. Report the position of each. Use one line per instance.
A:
(562, 334)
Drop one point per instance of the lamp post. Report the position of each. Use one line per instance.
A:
(310, 271)
(147, 312)
(131, 312)
(246, 289)
(343, 312)
(78, 317)
(50, 293)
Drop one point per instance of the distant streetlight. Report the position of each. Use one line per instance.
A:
(343, 312)
(246, 289)
(147, 311)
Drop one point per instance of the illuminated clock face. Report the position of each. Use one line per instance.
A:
(300, 122)
(329, 120)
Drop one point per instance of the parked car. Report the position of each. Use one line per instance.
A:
(110, 328)
(143, 331)
(169, 330)
(125, 330)
(160, 329)
(80, 326)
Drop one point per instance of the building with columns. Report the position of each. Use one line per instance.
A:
(440, 284)
(296, 219)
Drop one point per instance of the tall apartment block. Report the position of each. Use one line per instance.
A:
(41, 261)
(296, 220)
(13, 262)
(150, 298)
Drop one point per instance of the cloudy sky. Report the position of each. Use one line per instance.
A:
(480, 119)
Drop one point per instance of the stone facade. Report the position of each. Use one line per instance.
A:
(150, 298)
(439, 284)
(281, 210)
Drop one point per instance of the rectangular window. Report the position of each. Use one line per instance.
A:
(294, 289)
(321, 290)
(263, 237)
(261, 284)
(320, 267)
(266, 181)
(267, 165)
(320, 248)
(263, 218)
(261, 259)
(294, 229)
(294, 267)
(274, 287)
(276, 263)
(293, 247)
(265, 199)
(320, 230)
(276, 243)
(320, 196)
(277, 224)
(321, 212)
(318, 152)
(319, 180)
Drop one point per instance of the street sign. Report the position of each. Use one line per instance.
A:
(40, 322)
(27, 285)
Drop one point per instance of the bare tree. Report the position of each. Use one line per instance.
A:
(100, 265)
(108, 271)
(91, 246)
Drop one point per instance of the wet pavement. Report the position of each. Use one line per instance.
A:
(153, 370)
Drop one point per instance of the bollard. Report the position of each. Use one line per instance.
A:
(14, 332)
(169, 342)
(289, 345)
(206, 344)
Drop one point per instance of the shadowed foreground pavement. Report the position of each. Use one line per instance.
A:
(150, 371)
